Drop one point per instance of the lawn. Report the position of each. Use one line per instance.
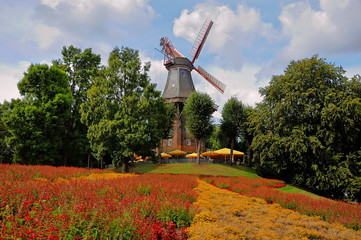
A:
(211, 170)
(292, 189)
(198, 169)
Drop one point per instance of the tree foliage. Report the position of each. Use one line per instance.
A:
(36, 123)
(5, 149)
(233, 117)
(125, 115)
(198, 110)
(81, 66)
(307, 128)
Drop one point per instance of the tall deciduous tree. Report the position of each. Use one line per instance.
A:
(5, 150)
(125, 115)
(309, 128)
(248, 132)
(231, 123)
(37, 122)
(81, 66)
(198, 109)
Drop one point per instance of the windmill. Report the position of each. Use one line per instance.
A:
(180, 85)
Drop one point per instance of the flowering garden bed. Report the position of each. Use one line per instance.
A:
(228, 215)
(95, 206)
(347, 214)
(43, 202)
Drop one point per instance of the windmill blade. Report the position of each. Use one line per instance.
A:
(173, 52)
(212, 80)
(200, 40)
(168, 50)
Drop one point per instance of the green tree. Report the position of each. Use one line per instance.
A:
(36, 123)
(214, 141)
(5, 150)
(248, 132)
(198, 109)
(125, 115)
(81, 67)
(231, 123)
(308, 128)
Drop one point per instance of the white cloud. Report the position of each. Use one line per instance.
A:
(233, 30)
(53, 23)
(332, 29)
(353, 70)
(10, 76)
(84, 16)
(46, 35)
(241, 84)
(157, 73)
(131, 8)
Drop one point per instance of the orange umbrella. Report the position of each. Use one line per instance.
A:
(193, 155)
(165, 155)
(177, 152)
(210, 154)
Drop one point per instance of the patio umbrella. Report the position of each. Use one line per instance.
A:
(165, 155)
(177, 152)
(227, 152)
(193, 155)
(137, 157)
(210, 154)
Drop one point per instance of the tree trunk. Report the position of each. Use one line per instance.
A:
(231, 156)
(101, 163)
(198, 151)
(125, 165)
(88, 161)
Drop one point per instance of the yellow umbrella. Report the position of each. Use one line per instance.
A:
(227, 152)
(137, 157)
(177, 152)
(210, 154)
(193, 155)
(165, 155)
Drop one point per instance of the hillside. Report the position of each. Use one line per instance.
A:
(211, 170)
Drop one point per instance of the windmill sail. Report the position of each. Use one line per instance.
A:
(173, 52)
(212, 80)
(201, 38)
(170, 53)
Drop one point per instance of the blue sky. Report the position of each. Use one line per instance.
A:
(250, 41)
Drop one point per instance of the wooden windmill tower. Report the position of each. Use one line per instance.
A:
(180, 85)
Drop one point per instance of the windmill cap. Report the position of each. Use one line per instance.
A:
(180, 62)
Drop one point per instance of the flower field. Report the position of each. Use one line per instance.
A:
(44, 202)
(68, 203)
(228, 215)
(347, 214)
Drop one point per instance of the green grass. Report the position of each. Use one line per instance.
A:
(292, 189)
(209, 169)
(199, 169)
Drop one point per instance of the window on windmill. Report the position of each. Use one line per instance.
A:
(188, 142)
(170, 142)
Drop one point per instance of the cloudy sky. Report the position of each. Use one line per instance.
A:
(250, 41)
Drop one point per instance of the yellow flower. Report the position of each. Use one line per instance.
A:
(227, 215)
